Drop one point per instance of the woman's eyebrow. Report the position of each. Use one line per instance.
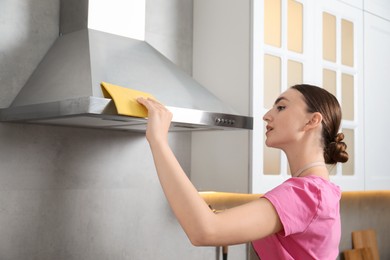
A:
(280, 99)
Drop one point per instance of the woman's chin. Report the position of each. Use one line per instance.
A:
(268, 143)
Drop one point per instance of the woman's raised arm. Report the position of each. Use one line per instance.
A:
(241, 224)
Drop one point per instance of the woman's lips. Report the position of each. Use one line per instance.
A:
(269, 128)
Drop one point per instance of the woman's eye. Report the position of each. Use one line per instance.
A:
(280, 108)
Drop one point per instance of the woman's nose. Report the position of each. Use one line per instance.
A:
(267, 116)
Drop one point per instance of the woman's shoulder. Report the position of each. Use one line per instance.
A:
(304, 197)
(312, 184)
(309, 185)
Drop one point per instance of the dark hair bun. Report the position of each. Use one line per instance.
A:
(336, 150)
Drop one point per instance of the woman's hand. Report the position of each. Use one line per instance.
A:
(159, 120)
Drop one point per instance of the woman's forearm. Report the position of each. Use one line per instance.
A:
(189, 208)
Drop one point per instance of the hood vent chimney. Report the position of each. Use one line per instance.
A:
(92, 48)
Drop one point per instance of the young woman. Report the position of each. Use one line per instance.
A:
(300, 218)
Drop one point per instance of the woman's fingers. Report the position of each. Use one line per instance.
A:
(145, 102)
(159, 119)
(151, 104)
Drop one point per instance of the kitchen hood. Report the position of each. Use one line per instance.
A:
(65, 87)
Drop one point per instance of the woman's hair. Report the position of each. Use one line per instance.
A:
(319, 100)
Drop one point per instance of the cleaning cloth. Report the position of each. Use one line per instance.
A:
(125, 99)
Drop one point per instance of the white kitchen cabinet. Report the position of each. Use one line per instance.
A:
(315, 42)
(376, 94)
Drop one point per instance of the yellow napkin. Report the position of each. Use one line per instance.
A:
(125, 99)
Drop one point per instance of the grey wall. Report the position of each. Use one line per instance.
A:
(27, 30)
(169, 29)
(222, 63)
(68, 193)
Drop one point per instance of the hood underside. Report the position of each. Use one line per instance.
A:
(65, 87)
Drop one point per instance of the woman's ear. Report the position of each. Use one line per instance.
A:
(315, 120)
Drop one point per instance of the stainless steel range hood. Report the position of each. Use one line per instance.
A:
(65, 87)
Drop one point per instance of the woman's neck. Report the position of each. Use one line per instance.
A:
(308, 167)
(307, 161)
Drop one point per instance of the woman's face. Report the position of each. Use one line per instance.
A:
(286, 119)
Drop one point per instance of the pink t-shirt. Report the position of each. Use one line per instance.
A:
(308, 208)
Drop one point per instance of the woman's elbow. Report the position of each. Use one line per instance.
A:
(196, 242)
(199, 241)
(203, 238)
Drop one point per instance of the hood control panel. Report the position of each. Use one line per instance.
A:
(224, 121)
